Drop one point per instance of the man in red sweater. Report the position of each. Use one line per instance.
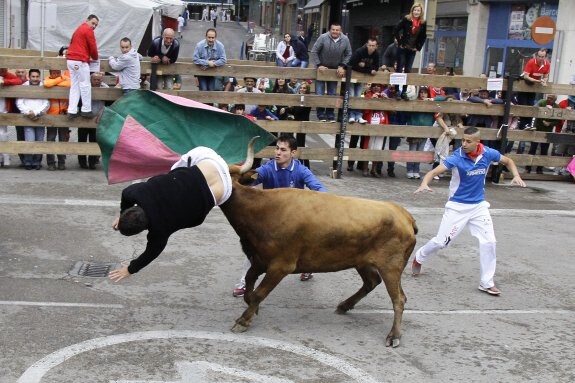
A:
(82, 48)
(6, 79)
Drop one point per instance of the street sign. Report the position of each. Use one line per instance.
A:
(543, 30)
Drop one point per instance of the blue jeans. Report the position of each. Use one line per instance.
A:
(320, 86)
(355, 91)
(33, 133)
(207, 83)
(413, 167)
(298, 63)
(280, 63)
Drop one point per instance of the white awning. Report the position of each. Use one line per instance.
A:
(313, 6)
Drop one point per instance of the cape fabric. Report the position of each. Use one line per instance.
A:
(143, 133)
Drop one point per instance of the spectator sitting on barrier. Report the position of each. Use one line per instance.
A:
(300, 51)
(544, 125)
(57, 107)
(263, 113)
(285, 53)
(6, 106)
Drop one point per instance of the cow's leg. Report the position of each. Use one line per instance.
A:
(270, 281)
(392, 279)
(252, 276)
(371, 278)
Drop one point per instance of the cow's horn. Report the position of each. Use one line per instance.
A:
(247, 165)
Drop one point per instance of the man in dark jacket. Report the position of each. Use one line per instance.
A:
(164, 50)
(363, 60)
(170, 202)
(300, 51)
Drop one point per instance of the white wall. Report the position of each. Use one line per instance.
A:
(563, 64)
(476, 39)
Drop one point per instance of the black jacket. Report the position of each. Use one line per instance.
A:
(361, 55)
(402, 33)
(155, 49)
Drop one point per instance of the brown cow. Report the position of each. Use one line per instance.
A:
(288, 231)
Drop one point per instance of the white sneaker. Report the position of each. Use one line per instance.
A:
(351, 120)
(362, 121)
(436, 178)
(416, 176)
(410, 176)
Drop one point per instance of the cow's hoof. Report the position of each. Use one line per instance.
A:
(342, 308)
(393, 342)
(339, 310)
(239, 328)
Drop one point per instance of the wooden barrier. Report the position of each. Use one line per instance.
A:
(14, 59)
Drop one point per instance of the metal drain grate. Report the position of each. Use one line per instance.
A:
(91, 269)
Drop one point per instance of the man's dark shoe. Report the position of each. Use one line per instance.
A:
(390, 173)
(87, 114)
(61, 166)
(404, 97)
(51, 167)
(72, 116)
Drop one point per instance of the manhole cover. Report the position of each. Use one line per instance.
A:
(91, 269)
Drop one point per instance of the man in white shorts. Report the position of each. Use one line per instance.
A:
(170, 202)
(467, 206)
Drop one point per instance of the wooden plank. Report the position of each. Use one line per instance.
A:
(15, 119)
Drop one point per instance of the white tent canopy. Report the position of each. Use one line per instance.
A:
(118, 19)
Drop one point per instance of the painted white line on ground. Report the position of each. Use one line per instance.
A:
(57, 202)
(35, 372)
(469, 312)
(198, 371)
(60, 304)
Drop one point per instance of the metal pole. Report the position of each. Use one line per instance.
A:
(340, 138)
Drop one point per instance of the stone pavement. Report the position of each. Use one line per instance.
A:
(171, 321)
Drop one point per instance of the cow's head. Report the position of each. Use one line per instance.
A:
(244, 174)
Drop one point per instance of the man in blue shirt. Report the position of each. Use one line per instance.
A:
(469, 165)
(209, 53)
(282, 172)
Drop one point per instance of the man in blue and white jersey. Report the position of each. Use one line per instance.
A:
(467, 206)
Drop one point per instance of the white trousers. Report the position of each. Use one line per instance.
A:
(80, 86)
(455, 218)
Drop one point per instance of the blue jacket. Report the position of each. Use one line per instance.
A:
(294, 176)
(203, 53)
